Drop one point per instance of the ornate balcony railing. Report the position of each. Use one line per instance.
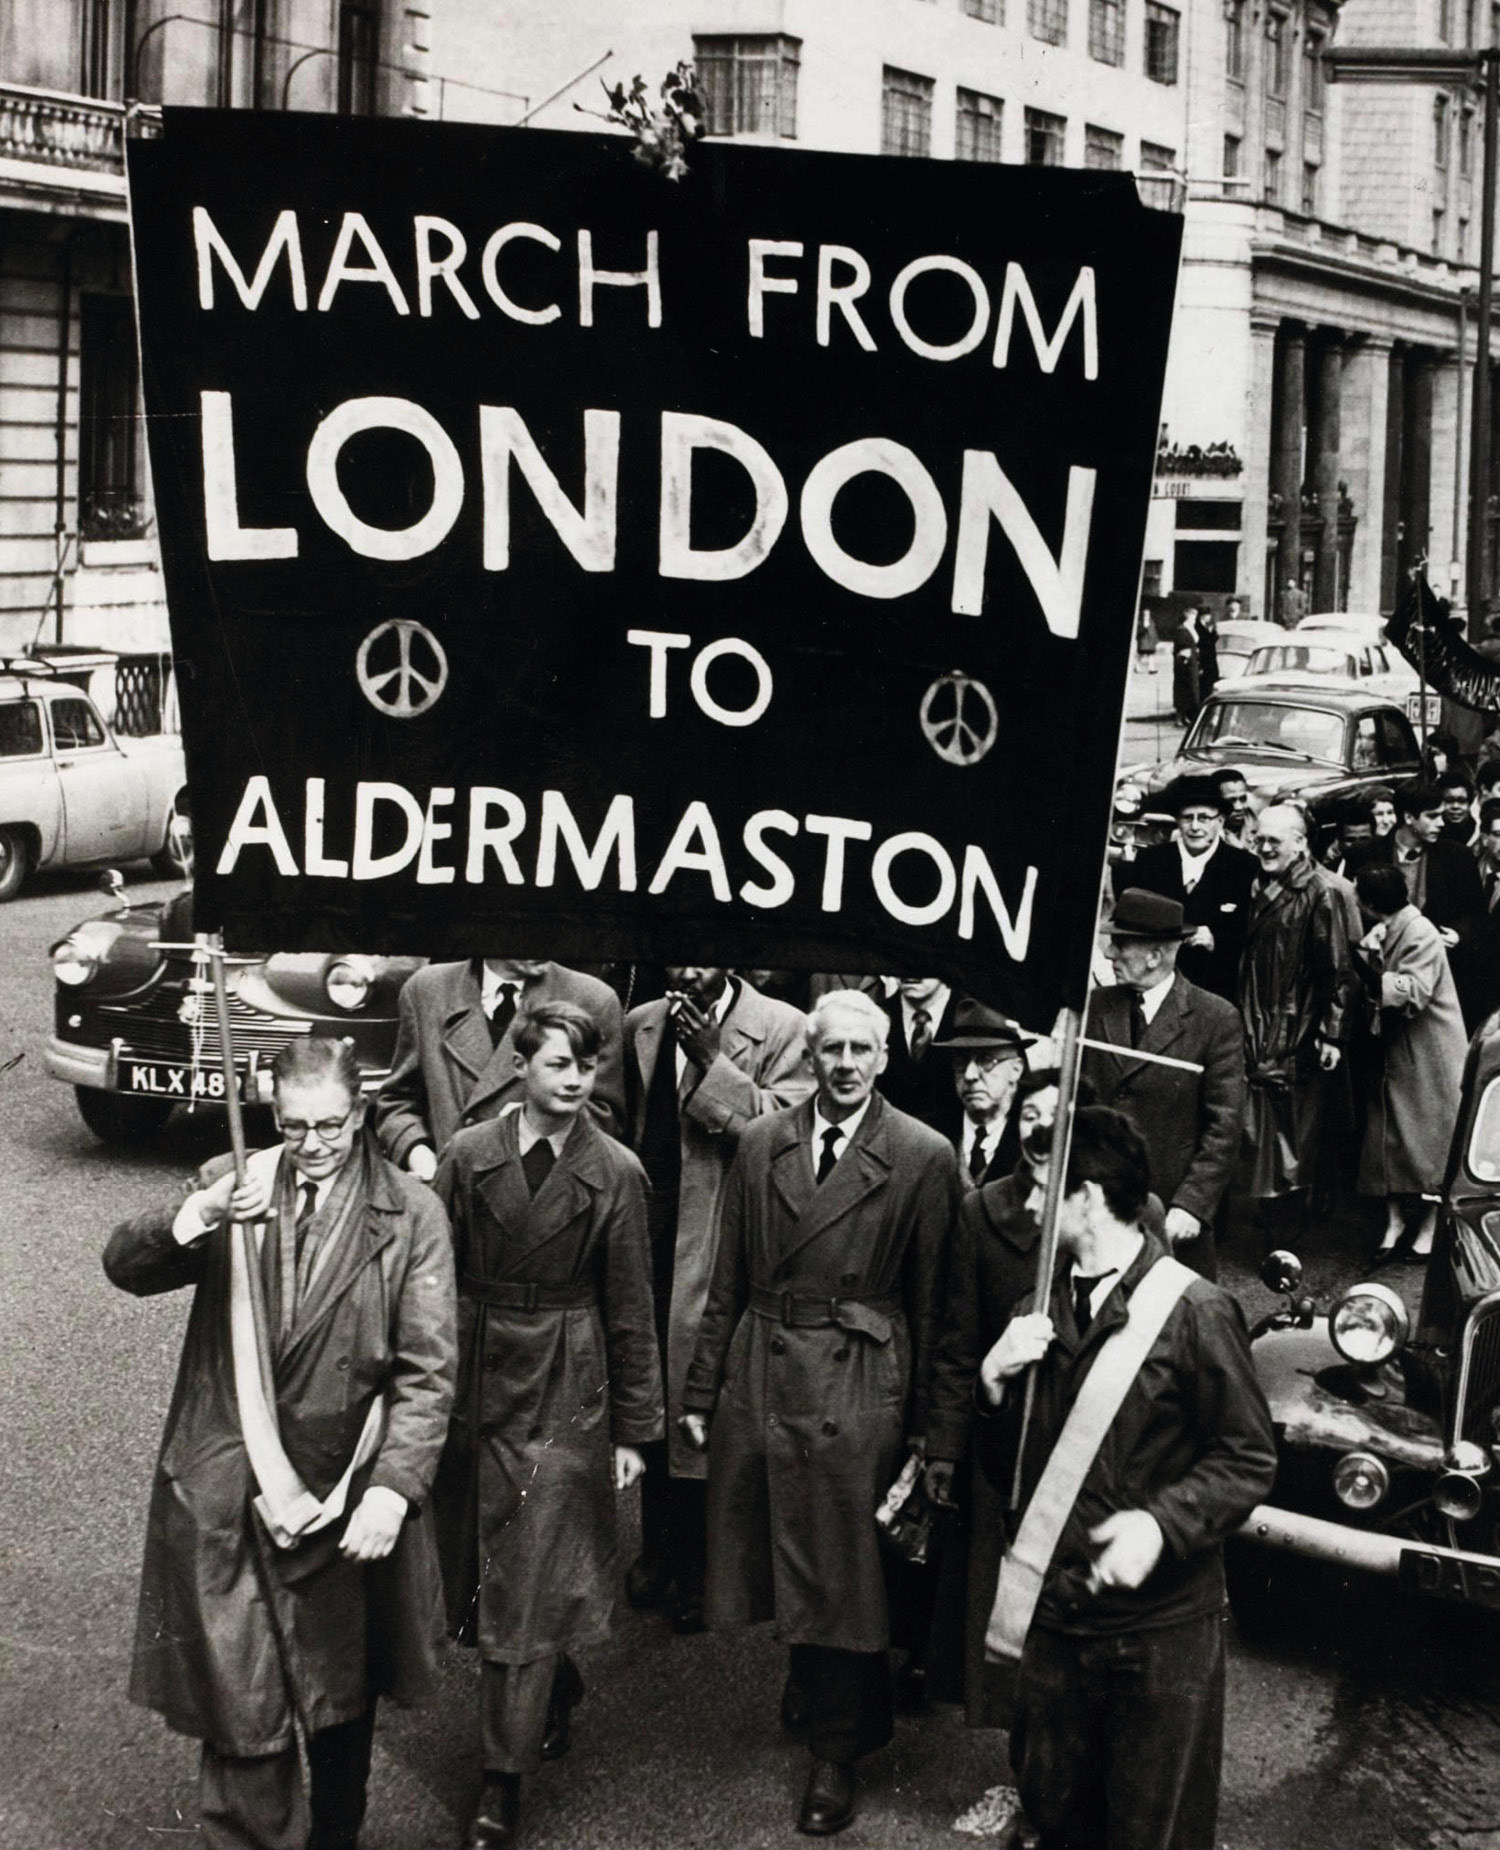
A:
(72, 132)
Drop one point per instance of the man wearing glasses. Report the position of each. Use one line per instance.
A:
(1211, 879)
(290, 1577)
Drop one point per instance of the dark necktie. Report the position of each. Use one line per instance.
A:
(978, 1161)
(830, 1151)
(305, 1215)
(1083, 1291)
(537, 1162)
(921, 1034)
(1491, 888)
(504, 1012)
(1137, 1018)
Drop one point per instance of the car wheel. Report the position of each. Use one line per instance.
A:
(175, 856)
(15, 859)
(114, 1119)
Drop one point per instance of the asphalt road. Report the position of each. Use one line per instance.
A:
(1364, 1731)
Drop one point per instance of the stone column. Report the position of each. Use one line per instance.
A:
(1259, 474)
(1367, 381)
(1419, 463)
(1287, 461)
(1325, 470)
(1392, 527)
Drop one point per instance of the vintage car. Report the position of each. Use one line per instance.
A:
(136, 1033)
(1388, 1434)
(1313, 744)
(72, 794)
(1311, 657)
(1238, 639)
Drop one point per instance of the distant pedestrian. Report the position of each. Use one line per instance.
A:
(1293, 604)
(1208, 654)
(1186, 692)
(1146, 640)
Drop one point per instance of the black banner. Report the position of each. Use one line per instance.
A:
(567, 561)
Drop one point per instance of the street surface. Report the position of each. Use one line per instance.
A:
(1370, 1731)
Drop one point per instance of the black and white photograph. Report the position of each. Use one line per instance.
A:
(983, 516)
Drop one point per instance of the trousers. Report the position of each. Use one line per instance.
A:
(258, 1802)
(674, 1520)
(1118, 1741)
(852, 1712)
(513, 1702)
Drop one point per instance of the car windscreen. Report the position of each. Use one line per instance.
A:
(1483, 1157)
(1300, 732)
(20, 729)
(1301, 658)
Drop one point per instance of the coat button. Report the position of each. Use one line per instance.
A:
(771, 1420)
(342, 1362)
(830, 1429)
(778, 1347)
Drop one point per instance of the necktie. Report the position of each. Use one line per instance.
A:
(1083, 1291)
(921, 1033)
(503, 1013)
(1137, 1018)
(305, 1215)
(537, 1163)
(830, 1153)
(978, 1161)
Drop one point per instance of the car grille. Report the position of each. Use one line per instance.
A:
(1472, 1420)
(153, 1030)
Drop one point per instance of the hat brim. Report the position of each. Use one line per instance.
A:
(1147, 937)
(1020, 1042)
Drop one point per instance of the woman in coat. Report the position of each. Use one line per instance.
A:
(1416, 1077)
(316, 1379)
(559, 1384)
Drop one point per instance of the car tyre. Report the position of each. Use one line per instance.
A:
(114, 1119)
(174, 858)
(15, 862)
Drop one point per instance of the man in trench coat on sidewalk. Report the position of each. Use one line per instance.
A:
(812, 1366)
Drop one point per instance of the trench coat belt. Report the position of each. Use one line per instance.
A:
(516, 1294)
(870, 1316)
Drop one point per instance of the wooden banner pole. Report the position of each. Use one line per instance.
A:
(212, 946)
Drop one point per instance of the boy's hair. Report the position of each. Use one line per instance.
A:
(566, 1018)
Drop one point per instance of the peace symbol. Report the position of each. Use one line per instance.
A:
(966, 723)
(417, 676)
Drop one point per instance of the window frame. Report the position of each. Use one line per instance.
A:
(967, 121)
(921, 95)
(1162, 43)
(725, 60)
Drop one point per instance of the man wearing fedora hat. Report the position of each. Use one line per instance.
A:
(1189, 1114)
(1211, 877)
(988, 1054)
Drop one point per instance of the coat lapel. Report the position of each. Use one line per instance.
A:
(370, 1230)
(864, 1167)
(650, 1034)
(529, 1221)
(744, 1027)
(791, 1161)
(466, 1032)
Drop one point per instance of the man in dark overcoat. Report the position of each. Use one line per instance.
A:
(1191, 1120)
(812, 1365)
(916, 1079)
(559, 1387)
(1119, 1727)
(316, 1380)
(707, 1059)
(454, 1062)
(1209, 877)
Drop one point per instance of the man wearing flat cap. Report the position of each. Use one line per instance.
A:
(1188, 1112)
(1209, 876)
(988, 1055)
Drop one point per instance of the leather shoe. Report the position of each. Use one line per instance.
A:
(687, 1614)
(567, 1692)
(828, 1803)
(648, 1581)
(498, 1818)
(796, 1706)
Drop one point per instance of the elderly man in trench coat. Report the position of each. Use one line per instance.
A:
(812, 1365)
(701, 1063)
(330, 1316)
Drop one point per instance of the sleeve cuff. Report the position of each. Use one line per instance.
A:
(189, 1226)
(382, 1496)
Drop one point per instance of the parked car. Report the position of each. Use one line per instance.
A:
(1238, 639)
(1316, 744)
(1309, 657)
(1388, 1436)
(72, 794)
(1366, 623)
(136, 1032)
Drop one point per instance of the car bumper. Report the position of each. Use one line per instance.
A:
(1311, 1537)
(80, 1066)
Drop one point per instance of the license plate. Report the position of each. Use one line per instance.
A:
(1440, 1578)
(1434, 708)
(157, 1079)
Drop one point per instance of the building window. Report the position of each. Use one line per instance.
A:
(1048, 20)
(1309, 189)
(1163, 31)
(1445, 21)
(1157, 183)
(1312, 74)
(98, 39)
(905, 113)
(1271, 191)
(976, 128)
(749, 85)
(110, 504)
(1107, 31)
(1231, 157)
(1276, 54)
(1045, 137)
(1466, 144)
(1151, 578)
(1103, 150)
(1234, 40)
(1440, 131)
(1439, 220)
(1468, 25)
(1463, 240)
(992, 12)
(358, 57)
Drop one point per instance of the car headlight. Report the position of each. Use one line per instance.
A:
(1369, 1324)
(77, 958)
(347, 982)
(1360, 1480)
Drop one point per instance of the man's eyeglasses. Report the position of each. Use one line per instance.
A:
(295, 1131)
(986, 1060)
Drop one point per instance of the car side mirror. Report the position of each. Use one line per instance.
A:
(1281, 1273)
(112, 885)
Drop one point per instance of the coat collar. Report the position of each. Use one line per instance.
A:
(466, 1033)
(864, 1167)
(371, 1228)
(530, 1220)
(1114, 1310)
(1168, 1024)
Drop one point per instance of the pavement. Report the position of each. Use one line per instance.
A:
(1371, 1726)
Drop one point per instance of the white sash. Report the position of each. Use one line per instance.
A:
(285, 1505)
(1115, 1368)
